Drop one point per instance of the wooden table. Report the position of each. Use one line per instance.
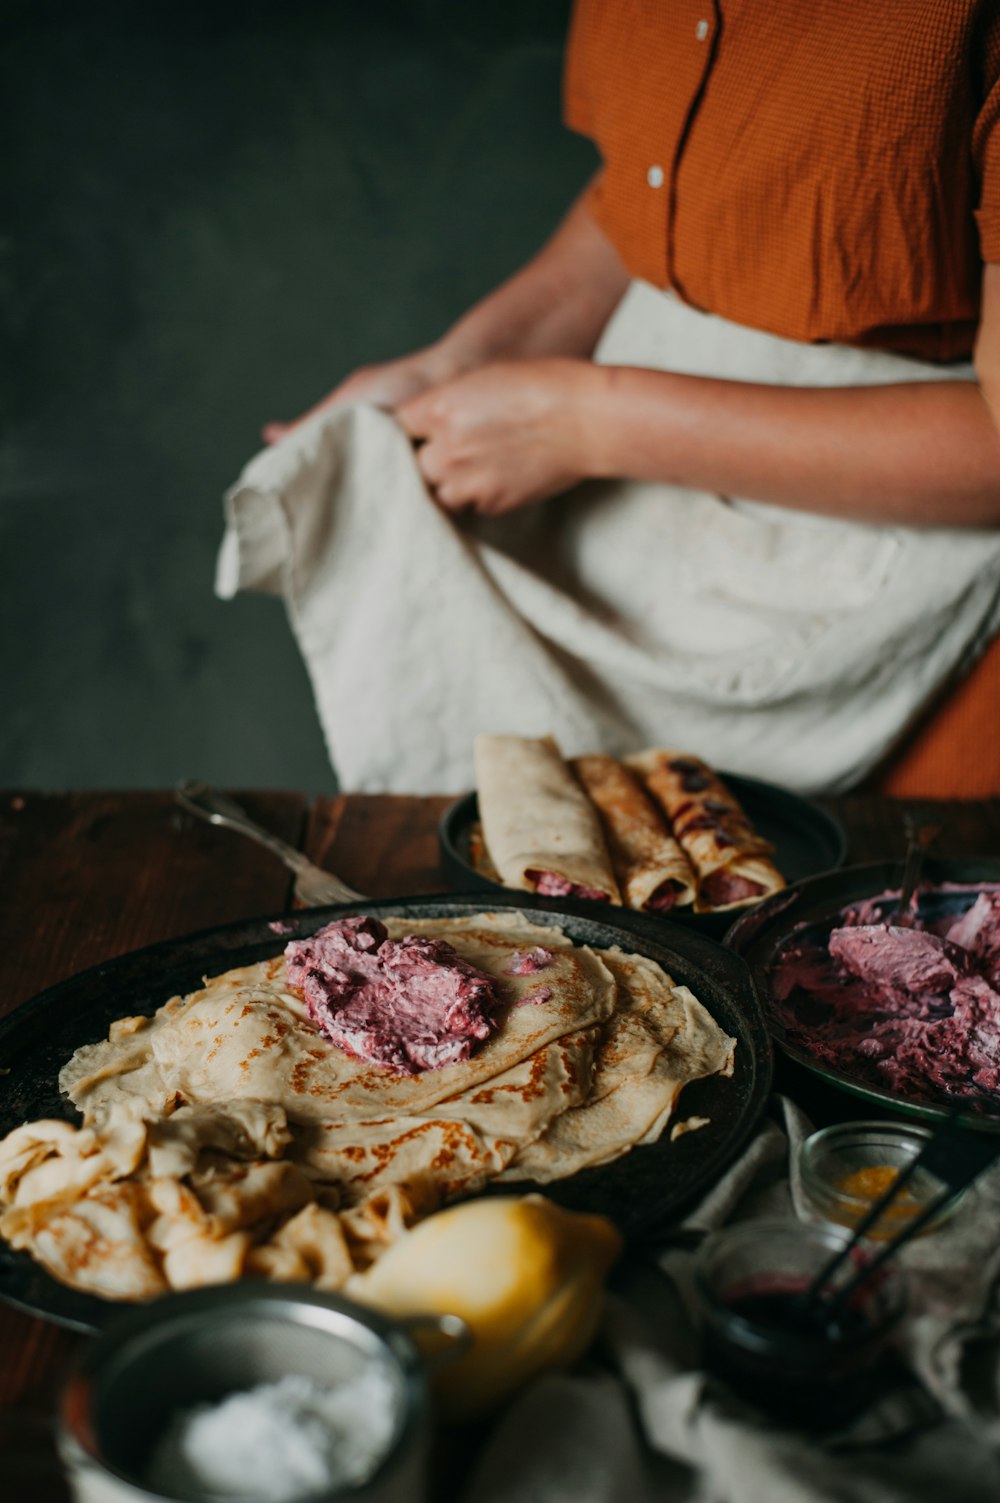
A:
(87, 876)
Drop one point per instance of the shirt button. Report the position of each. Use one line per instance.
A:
(654, 177)
(701, 30)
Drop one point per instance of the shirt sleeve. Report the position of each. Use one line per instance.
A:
(986, 151)
(577, 104)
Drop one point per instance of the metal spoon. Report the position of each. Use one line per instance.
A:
(314, 887)
(919, 839)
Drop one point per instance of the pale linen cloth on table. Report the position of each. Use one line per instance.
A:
(642, 1424)
(770, 642)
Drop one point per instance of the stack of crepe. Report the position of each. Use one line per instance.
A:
(659, 830)
(225, 1136)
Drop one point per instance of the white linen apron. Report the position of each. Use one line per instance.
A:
(774, 643)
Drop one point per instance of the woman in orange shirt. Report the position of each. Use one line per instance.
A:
(820, 176)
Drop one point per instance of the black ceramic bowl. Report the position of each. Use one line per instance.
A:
(642, 1192)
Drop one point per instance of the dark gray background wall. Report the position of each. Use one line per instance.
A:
(209, 214)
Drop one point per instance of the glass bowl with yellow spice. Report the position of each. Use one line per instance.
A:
(846, 1168)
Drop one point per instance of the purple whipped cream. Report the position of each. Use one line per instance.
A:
(550, 885)
(408, 1005)
(915, 1009)
(529, 962)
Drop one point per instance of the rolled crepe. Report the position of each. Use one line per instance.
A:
(542, 833)
(732, 862)
(652, 870)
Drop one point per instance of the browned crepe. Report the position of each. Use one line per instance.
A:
(658, 1038)
(713, 829)
(536, 817)
(246, 1037)
(647, 860)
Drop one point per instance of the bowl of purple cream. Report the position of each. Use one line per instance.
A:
(900, 1009)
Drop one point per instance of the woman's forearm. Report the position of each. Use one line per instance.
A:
(557, 304)
(920, 453)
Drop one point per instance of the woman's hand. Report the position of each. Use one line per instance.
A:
(556, 305)
(504, 435)
(384, 385)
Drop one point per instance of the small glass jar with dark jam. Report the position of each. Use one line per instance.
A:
(802, 1365)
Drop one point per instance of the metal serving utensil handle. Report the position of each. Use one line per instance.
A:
(313, 886)
(919, 839)
(208, 803)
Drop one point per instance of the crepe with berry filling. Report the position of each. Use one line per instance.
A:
(541, 830)
(732, 862)
(652, 870)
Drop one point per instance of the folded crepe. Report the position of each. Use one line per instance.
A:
(652, 870)
(542, 832)
(245, 1037)
(732, 862)
(658, 1038)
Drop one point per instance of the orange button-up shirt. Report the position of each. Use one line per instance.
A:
(820, 169)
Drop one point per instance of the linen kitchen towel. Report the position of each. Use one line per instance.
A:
(645, 1424)
(620, 615)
